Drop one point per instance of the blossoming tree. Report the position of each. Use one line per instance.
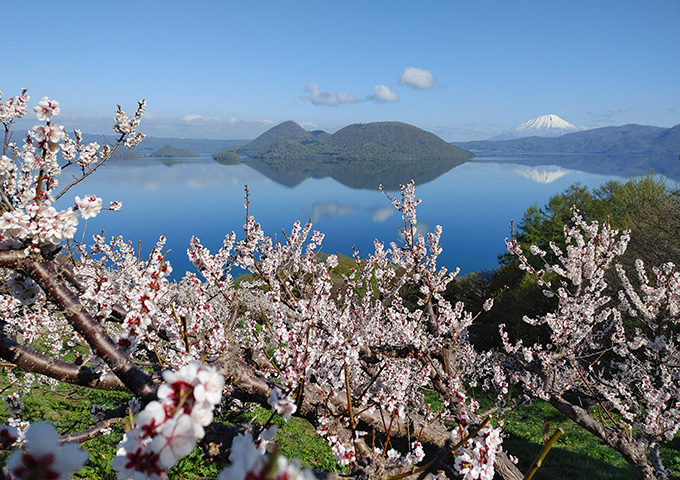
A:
(348, 356)
(622, 360)
(345, 352)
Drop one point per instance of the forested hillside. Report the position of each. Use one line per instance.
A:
(379, 140)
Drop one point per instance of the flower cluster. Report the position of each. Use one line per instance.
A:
(29, 217)
(128, 126)
(14, 107)
(626, 355)
(89, 206)
(282, 404)
(169, 428)
(474, 460)
(180, 323)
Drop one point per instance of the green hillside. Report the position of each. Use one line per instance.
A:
(281, 134)
(370, 141)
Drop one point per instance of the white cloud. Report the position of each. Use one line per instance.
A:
(240, 122)
(203, 126)
(194, 117)
(309, 125)
(416, 78)
(383, 94)
(320, 97)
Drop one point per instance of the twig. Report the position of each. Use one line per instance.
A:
(542, 454)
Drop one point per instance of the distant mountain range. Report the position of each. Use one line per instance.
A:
(202, 146)
(626, 139)
(403, 141)
(544, 126)
(361, 141)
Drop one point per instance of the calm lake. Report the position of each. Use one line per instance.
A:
(474, 202)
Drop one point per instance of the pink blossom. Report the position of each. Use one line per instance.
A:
(169, 428)
(8, 435)
(175, 440)
(89, 206)
(6, 167)
(88, 155)
(248, 463)
(49, 133)
(282, 404)
(14, 107)
(43, 458)
(46, 108)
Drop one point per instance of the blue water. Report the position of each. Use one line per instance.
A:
(474, 202)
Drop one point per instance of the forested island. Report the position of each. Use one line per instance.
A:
(227, 157)
(168, 151)
(369, 141)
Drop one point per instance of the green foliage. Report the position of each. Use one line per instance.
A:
(647, 205)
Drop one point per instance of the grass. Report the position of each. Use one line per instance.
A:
(578, 455)
(297, 439)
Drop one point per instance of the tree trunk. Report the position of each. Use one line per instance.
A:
(633, 452)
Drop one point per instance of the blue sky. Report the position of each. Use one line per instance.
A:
(231, 70)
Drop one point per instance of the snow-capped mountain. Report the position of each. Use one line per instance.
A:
(544, 126)
(545, 122)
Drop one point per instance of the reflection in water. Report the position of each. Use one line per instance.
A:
(619, 165)
(381, 215)
(543, 174)
(473, 202)
(330, 209)
(353, 173)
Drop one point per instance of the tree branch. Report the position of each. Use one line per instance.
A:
(250, 386)
(90, 433)
(36, 362)
(45, 275)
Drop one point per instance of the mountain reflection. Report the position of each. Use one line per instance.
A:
(368, 175)
(364, 175)
(617, 165)
(542, 175)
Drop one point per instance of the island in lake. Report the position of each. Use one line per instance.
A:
(361, 141)
(168, 151)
